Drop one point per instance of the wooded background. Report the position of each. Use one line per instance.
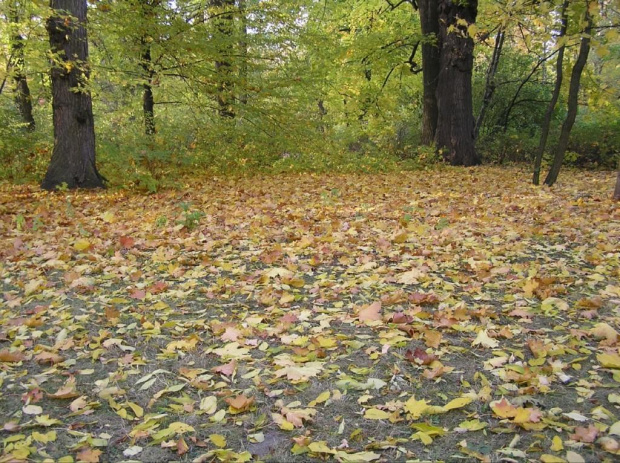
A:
(241, 85)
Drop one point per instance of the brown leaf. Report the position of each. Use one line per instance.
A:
(11, 356)
(127, 242)
(49, 357)
(89, 455)
(420, 357)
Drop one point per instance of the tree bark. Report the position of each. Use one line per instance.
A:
(243, 46)
(224, 22)
(489, 87)
(148, 100)
(431, 64)
(455, 121)
(146, 63)
(23, 99)
(554, 98)
(617, 189)
(573, 102)
(73, 156)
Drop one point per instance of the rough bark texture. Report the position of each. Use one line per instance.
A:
(489, 87)
(73, 157)
(23, 99)
(573, 103)
(225, 25)
(455, 121)
(617, 190)
(544, 133)
(429, 22)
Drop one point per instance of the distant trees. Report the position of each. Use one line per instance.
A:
(250, 79)
(73, 156)
(23, 98)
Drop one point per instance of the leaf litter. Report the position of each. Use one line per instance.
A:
(455, 314)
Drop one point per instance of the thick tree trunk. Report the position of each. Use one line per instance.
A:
(455, 121)
(489, 87)
(617, 189)
(573, 103)
(544, 133)
(431, 64)
(73, 157)
(23, 99)
(225, 26)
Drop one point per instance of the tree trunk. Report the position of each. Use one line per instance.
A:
(148, 100)
(243, 46)
(489, 87)
(73, 157)
(23, 99)
(554, 98)
(573, 102)
(617, 189)
(429, 22)
(455, 121)
(224, 22)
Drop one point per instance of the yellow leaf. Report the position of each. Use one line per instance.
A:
(471, 425)
(557, 444)
(416, 407)
(457, 403)
(44, 438)
(218, 440)
(425, 438)
(376, 414)
(81, 245)
(546, 458)
(484, 340)
(180, 428)
(323, 397)
(609, 360)
(320, 447)
(137, 409)
(359, 457)
(614, 429)
(209, 404)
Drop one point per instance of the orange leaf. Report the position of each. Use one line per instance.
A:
(8, 356)
(89, 455)
(370, 312)
(241, 402)
(227, 369)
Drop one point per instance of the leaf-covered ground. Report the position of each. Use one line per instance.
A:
(457, 314)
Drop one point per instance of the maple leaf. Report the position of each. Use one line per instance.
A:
(89, 455)
(483, 339)
(240, 403)
(67, 391)
(420, 357)
(370, 312)
(227, 369)
(587, 435)
(300, 373)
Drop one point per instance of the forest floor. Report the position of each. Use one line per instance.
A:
(456, 315)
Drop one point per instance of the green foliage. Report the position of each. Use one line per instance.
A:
(314, 87)
(190, 218)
